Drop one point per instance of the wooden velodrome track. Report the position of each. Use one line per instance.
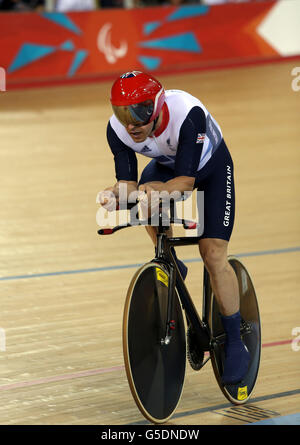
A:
(63, 287)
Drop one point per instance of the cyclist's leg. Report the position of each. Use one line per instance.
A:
(217, 183)
(222, 277)
(219, 208)
(155, 172)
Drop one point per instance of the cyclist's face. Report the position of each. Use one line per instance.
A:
(139, 133)
(135, 119)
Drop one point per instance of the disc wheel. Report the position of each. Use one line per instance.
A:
(155, 370)
(250, 332)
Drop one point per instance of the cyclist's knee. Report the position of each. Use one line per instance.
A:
(214, 254)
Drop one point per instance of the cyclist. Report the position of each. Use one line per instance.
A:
(188, 152)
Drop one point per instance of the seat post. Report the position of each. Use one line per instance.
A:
(161, 244)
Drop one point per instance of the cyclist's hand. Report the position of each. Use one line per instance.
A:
(145, 190)
(108, 199)
(149, 199)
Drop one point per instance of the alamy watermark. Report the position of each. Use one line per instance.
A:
(189, 207)
(2, 79)
(296, 80)
(296, 340)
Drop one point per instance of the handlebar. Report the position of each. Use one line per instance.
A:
(188, 225)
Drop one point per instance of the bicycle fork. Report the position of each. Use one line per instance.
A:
(161, 255)
(171, 324)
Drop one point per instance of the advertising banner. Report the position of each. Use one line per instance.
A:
(50, 47)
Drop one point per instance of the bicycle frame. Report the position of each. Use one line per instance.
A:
(164, 254)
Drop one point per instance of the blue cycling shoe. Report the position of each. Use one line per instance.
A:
(237, 356)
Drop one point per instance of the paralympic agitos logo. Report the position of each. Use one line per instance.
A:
(104, 44)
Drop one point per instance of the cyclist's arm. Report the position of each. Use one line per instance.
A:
(190, 144)
(124, 157)
(188, 155)
(125, 163)
(180, 183)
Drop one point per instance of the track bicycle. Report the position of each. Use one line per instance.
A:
(156, 333)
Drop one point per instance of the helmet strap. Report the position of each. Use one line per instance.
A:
(154, 124)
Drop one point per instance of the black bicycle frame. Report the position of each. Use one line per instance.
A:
(164, 254)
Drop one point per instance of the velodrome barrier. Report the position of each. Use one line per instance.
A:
(49, 48)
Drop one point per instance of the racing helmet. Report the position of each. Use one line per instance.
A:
(137, 98)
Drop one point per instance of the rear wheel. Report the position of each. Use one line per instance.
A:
(155, 370)
(250, 333)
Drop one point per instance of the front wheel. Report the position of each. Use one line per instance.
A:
(155, 370)
(250, 333)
